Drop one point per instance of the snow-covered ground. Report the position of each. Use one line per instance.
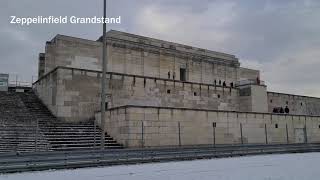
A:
(269, 167)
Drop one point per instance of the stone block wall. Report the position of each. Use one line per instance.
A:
(136, 126)
(137, 55)
(72, 52)
(46, 90)
(131, 90)
(74, 94)
(245, 73)
(253, 98)
(301, 105)
(71, 95)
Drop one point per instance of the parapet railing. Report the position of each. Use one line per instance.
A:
(291, 95)
(136, 76)
(16, 80)
(20, 84)
(250, 82)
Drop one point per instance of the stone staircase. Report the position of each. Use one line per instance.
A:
(24, 112)
(17, 126)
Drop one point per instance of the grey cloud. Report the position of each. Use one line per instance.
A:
(20, 55)
(279, 37)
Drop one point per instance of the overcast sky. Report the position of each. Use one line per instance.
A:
(280, 38)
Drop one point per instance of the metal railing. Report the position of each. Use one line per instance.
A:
(249, 82)
(16, 80)
(11, 162)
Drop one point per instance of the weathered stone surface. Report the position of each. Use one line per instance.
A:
(132, 54)
(171, 84)
(296, 103)
(79, 92)
(196, 127)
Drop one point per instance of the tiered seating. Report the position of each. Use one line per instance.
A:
(19, 115)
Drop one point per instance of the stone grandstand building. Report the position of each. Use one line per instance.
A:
(162, 93)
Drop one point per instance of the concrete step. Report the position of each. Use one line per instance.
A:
(84, 148)
(92, 141)
(77, 138)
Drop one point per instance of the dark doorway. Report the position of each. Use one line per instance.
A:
(183, 74)
(106, 105)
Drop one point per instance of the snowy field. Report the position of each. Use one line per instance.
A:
(269, 167)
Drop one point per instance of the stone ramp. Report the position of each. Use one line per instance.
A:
(27, 125)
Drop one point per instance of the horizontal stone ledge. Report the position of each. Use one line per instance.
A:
(134, 76)
(205, 110)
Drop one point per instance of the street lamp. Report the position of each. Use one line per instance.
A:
(103, 80)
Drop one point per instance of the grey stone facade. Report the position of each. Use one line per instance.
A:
(151, 72)
(297, 104)
(74, 94)
(158, 84)
(137, 55)
(137, 126)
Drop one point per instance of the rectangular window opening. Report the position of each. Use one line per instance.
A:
(183, 74)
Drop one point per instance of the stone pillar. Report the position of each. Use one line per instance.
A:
(253, 98)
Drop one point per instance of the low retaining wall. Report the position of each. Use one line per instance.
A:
(138, 126)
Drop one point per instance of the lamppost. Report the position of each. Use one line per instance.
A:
(103, 80)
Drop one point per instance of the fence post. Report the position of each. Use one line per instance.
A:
(179, 130)
(266, 133)
(37, 134)
(287, 133)
(16, 80)
(214, 133)
(94, 133)
(305, 134)
(142, 134)
(241, 133)
(305, 129)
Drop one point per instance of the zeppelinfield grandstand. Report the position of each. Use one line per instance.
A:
(159, 94)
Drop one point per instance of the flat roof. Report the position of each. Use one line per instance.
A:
(157, 43)
(167, 44)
